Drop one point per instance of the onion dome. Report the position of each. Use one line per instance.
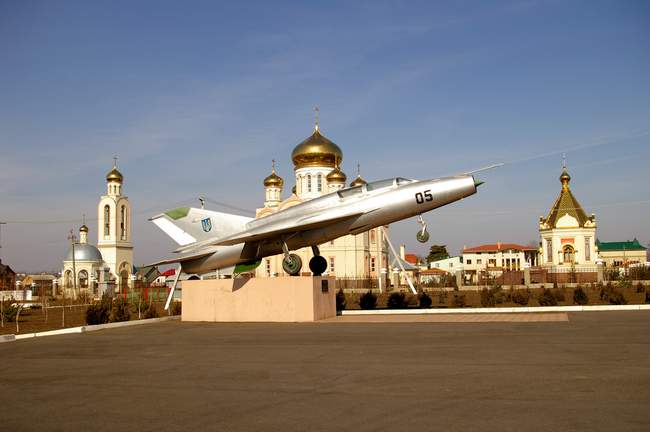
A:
(316, 150)
(565, 178)
(358, 181)
(114, 175)
(336, 176)
(83, 228)
(273, 180)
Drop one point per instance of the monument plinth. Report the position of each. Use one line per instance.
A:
(280, 299)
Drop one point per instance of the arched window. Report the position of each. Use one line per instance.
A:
(83, 279)
(67, 279)
(107, 220)
(123, 223)
(308, 182)
(569, 254)
(319, 183)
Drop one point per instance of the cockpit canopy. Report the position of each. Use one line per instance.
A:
(374, 186)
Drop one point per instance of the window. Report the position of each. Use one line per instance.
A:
(469, 261)
(308, 182)
(373, 236)
(123, 223)
(107, 221)
(451, 265)
(319, 183)
(478, 261)
(549, 250)
(267, 263)
(346, 193)
(587, 249)
(83, 279)
(380, 184)
(372, 264)
(332, 265)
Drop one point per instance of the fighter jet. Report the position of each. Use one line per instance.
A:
(212, 241)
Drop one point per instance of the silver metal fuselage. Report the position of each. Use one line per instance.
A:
(348, 211)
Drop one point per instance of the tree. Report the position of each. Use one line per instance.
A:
(437, 252)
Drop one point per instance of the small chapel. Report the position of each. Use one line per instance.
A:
(567, 234)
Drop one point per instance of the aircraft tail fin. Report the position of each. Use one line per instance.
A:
(188, 225)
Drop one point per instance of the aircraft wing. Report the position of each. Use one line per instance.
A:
(185, 257)
(264, 233)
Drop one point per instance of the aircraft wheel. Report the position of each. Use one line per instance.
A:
(318, 265)
(422, 236)
(292, 264)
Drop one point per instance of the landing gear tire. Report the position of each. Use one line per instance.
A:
(422, 236)
(292, 264)
(318, 265)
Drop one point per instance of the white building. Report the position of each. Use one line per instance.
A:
(317, 172)
(497, 258)
(567, 234)
(450, 265)
(111, 261)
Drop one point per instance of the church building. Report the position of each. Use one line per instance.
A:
(317, 169)
(110, 262)
(567, 234)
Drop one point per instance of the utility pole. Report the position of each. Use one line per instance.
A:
(1, 223)
(73, 239)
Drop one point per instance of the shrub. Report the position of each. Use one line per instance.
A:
(176, 308)
(580, 297)
(487, 298)
(397, 300)
(98, 313)
(120, 311)
(340, 300)
(647, 297)
(8, 309)
(425, 300)
(459, 301)
(151, 312)
(546, 298)
(368, 301)
(610, 294)
(520, 297)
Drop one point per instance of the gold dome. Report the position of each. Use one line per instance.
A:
(336, 176)
(114, 175)
(358, 181)
(273, 180)
(565, 178)
(83, 228)
(316, 150)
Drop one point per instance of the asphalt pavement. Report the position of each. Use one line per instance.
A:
(591, 372)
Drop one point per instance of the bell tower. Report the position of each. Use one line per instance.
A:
(114, 229)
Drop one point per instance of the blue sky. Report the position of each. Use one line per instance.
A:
(198, 97)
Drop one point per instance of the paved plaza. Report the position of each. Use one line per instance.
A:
(590, 372)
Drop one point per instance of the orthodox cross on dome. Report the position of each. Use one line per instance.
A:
(316, 117)
(564, 160)
(273, 165)
(358, 169)
(83, 219)
(115, 161)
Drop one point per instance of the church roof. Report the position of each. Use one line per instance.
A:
(566, 203)
(84, 252)
(633, 245)
(499, 247)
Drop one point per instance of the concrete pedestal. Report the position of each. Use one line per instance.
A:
(281, 299)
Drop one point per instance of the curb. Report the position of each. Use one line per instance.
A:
(497, 310)
(7, 338)
(87, 328)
